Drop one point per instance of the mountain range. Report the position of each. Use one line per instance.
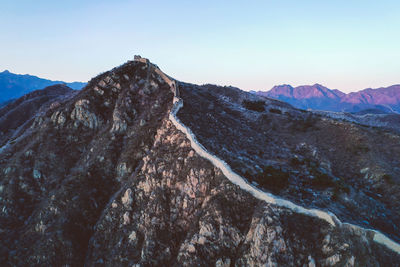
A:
(141, 169)
(16, 85)
(318, 97)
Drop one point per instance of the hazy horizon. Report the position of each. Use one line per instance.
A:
(344, 45)
(73, 81)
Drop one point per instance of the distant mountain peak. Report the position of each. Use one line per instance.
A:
(319, 97)
(286, 91)
(16, 85)
(282, 86)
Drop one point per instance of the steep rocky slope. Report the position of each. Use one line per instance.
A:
(107, 179)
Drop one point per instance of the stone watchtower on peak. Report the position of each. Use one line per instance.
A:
(140, 59)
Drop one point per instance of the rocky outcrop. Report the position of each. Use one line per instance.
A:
(81, 115)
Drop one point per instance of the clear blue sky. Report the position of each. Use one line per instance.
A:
(348, 45)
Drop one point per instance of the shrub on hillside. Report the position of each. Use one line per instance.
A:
(275, 110)
(296, 162)
(254, 105)
(322, 180)
(273, 179)
(388, 178)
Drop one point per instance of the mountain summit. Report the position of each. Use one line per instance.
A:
(318, 97)
(140, 169)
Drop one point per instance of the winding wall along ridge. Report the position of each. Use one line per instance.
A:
(236, 179)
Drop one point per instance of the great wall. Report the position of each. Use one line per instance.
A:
(236, 179)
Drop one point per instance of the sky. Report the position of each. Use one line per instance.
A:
(348, 45)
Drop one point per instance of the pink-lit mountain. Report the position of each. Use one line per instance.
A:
(318, 97)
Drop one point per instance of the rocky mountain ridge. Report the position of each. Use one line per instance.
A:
(113, 176)
(23, 110)
(318, 97)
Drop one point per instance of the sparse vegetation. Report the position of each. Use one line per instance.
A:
(323, 181)
(304, 124)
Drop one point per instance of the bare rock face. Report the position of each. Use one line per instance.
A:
(106, 179)
(81, 115)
